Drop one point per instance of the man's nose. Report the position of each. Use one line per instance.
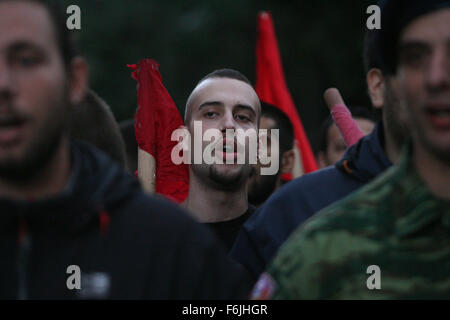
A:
(438, 75)
(6, 83)
(228, 122)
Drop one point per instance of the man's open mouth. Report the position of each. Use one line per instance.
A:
(10, 129)
(228, 151)
(439, 115)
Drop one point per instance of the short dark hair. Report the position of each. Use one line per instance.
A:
(395, 16)
(357, 112)
(282, 123)
(226, 73)
(64, 37)
(221, 73)
(92, 121)
(371, 51)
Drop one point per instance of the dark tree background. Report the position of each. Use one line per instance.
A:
(320, 43)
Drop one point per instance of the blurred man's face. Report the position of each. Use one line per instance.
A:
(33, 82)
(336, 145)
(260, 187)
(223, 103)
(424, 80)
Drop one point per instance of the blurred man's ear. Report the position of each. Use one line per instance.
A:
(79, 73)
(321, 161)
(375, 84)
(287, 161)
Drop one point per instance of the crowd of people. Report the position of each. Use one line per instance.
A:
(69, 195)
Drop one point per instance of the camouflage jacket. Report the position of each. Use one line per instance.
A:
(392, 234)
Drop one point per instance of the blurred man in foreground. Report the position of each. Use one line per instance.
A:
(262, 186)
(73, 224)
(390, 239)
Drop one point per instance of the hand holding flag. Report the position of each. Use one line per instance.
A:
(156, 118)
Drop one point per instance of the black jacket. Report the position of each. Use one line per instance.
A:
(127, 245)
(270, 226)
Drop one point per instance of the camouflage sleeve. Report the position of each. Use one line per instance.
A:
(322, 259)
(294, 271)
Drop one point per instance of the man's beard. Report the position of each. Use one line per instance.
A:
(416, 119)
(393, 111)
(420, 137)
(224, 181)
(443, 155)
(41, 148)
(261, 188)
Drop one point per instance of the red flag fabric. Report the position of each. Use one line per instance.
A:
(271, 86)
(156, 118)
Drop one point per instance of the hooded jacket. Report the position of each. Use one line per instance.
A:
(103, 238)
(270, 226)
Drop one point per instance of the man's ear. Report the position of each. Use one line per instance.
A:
(376, 84)
(321, 160)
(79, 73)
(287, 161)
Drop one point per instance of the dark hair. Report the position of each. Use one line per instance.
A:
(93, 121)
(221, 73)
(227, 73)
(64, 37)
(371, 51)
(395, 16)
(282, 123)
(357, 112)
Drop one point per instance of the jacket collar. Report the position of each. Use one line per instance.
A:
(96, 184)
(366, 159)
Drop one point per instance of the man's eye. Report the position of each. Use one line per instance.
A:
(414, 59)
(210, 115)
(243, 118)
(27, 60)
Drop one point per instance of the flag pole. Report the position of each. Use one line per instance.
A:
(146, 170)
(271, 88)
(297, 169)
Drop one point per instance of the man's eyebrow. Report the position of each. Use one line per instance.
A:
(209, 104)
(413, 44)
(246, 107)
(24, 45)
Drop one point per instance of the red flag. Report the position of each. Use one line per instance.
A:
(271, 86)
(156, 118)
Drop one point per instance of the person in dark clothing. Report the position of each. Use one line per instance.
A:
(223, 100)
(271, 225)
(260, 187)
(228, 230)
(103, 223)
(73, 223)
